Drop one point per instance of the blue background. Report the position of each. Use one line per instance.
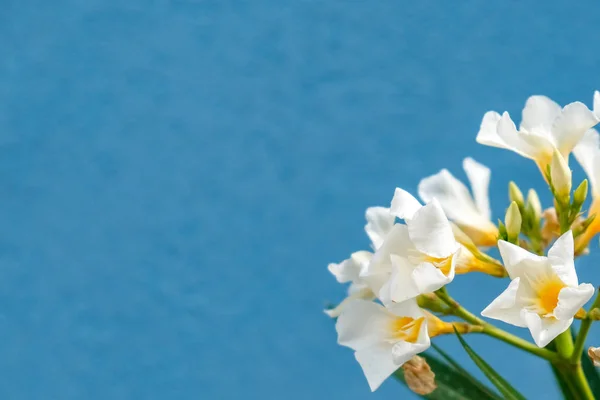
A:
(176, 175)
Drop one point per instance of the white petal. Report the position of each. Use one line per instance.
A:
(404, 351)
(487, 131)
(479, 177)
(357, 287)
(561, 258)
(571, 299)
(362, 324)
(453, 196)
(404, 205)
(377, 363)
(508, 132)
(587, 153)
(516, 259)
(349, 270)
(597, 104)
(428, 278)
(570, 126)
(505, 307)
(379, 224)
(377, 272)
(539, 114)
(408, 308)
(431, 232)
(357, 293)
(544, 330)
(402, 286)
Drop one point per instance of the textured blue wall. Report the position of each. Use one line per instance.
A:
(176, 175)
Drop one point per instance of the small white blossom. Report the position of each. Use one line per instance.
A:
(383, 338)
(415, 258)
(470, 212)
(544, 294)
(379, 223)
(545, 126)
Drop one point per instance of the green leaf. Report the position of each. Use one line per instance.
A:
(451, 383)
(466, 373)
(503, 386)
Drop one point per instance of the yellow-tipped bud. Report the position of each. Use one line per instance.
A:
(560, 175)
(515, 194)
(512, 221)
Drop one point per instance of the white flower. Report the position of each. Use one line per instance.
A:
(587, 153)
(379, 223)
(544, 128)
(415, 258)
(597, 104)
(470, 212)
(349, 271)
(544, 294)
(383, 338)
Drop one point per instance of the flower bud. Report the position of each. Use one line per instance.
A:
(594, 354)
(419, 376)
(534, 204)
(512, 221)
(579, 196)
(515, 194)
(560, 175)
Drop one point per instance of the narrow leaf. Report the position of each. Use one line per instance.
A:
(503, 386)
(451, 384)
(466, 373)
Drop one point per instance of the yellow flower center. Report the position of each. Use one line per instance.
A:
(547, 294)
(442, 263)
(406, 328)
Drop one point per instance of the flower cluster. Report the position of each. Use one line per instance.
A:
(419, 247)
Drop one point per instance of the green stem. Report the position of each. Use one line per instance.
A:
(574, 374)
(490, 330)
(586, 324)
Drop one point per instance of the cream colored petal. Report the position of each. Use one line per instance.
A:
(479, 178)
(544, 330)
(362, 324)
(561, 258)
(570, 126)
(377, 363)
(379, 224)
(402, 285)
(539, 114)
(571, 299)
(587, 153)
(431, 232)
(506, 307)
(453, 196)
(517, 260)
(488, 134)
(404, 205)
